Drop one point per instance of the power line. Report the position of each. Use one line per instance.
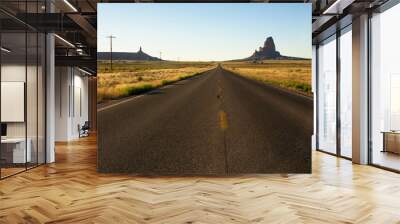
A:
(111, 38)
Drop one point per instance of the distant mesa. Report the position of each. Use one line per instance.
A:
(268, 52)
(132, 56)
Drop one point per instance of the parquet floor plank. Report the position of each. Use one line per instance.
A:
(71, 191)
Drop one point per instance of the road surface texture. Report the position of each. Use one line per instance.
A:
(216, 123)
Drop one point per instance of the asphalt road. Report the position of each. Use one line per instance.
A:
(216, 123)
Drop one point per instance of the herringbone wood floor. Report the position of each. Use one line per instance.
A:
(71, 191)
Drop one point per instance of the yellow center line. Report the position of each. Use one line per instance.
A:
(223, 120)
(219, 93)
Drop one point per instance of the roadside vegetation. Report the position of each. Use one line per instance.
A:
(135, 77)
(290, 74)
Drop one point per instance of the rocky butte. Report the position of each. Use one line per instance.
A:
(269, 52)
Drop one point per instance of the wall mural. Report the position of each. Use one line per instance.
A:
(204, 89)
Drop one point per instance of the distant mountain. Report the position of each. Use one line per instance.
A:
(137, 56)
(268, 52)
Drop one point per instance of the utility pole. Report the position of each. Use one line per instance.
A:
(111, 38)
(160, 55)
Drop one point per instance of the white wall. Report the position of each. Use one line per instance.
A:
(80, 111)
(62, 82)
(33, 126)
(12, 73)
(71, 87)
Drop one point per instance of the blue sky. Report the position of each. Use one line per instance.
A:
(204, 32)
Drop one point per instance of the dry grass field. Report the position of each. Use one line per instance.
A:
(290, 74)
(134, 77)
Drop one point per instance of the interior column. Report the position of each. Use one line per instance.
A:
(360, 90)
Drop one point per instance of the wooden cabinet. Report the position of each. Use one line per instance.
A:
(391, 142)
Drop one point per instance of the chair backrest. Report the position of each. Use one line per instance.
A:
(86, 125)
